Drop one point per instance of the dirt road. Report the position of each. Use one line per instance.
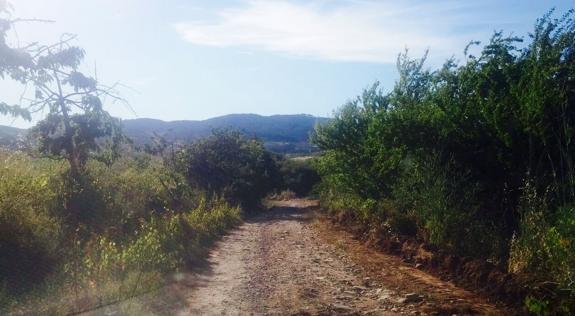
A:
(285, 263)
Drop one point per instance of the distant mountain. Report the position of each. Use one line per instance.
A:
(10, 136)
(280, 133)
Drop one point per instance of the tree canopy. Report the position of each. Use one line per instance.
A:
(53, 83)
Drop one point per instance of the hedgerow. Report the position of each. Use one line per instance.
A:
(477, 155)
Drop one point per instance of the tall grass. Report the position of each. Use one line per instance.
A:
(138, 222)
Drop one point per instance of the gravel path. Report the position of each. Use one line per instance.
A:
(278, 265)
(285, 263)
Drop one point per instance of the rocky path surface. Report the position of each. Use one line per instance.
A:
(285, 263)
(278, 265)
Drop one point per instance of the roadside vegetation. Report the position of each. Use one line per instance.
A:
(86, 218)
(134, 220)
(298, 176)
(475, 158)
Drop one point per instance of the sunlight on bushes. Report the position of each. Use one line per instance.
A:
(445, 157)
(139, 221)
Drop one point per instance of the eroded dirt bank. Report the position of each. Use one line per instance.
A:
(286, 263)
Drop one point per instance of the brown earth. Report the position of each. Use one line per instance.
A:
(287, 261)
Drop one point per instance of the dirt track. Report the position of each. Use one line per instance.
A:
(284, 263)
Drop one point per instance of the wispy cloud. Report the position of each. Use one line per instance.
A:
(353, 30)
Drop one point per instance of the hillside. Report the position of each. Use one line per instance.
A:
(280, 133)
(9, 136)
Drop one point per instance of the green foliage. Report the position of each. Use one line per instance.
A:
(109, 223)
(76, 137)
(537, 306)
(350, 154)
(76, 122)
(443, 204)
(545, 245)
(227, 163)
(139, 220)
(133, 189)
(30, 234)
(453, 148)
(298, 176)
(164, 242)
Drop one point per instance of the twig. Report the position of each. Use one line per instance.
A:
(31, 20)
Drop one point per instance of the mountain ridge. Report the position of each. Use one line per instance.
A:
(284, 133)
(10, 136)
(280, 133)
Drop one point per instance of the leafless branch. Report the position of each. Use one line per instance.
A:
(23, 93)
(30, 20)
(43, 49)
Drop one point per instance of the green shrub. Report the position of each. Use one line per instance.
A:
(445, 208)
(163, 243)
(107, 234)
(453, 147)
(229, 164)
(545, 246)
(298, 176)
(30, 234)
(132, 190)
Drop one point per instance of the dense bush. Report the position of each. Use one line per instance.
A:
(30, 231)
(230, 164)
(455, 148)
(545, 246)
(163, 243)
(298, 175)
(138, 220)
(99, 221)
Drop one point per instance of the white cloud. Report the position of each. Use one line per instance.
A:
(353, 30)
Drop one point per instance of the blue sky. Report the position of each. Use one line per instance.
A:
(198, 59)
